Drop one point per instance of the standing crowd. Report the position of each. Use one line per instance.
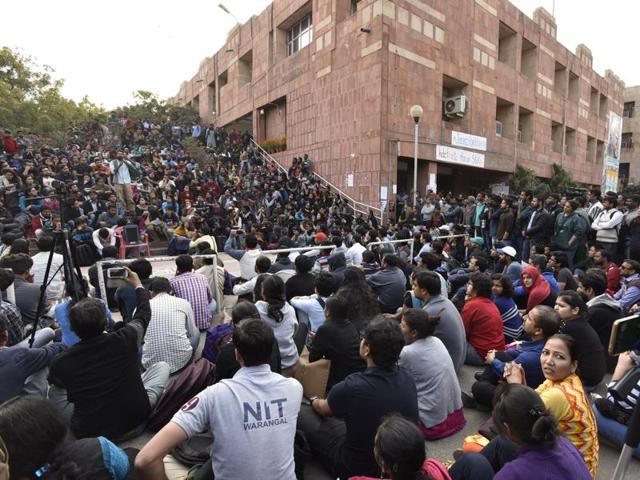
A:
(524, 289)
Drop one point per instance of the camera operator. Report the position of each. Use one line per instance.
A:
(614, 412)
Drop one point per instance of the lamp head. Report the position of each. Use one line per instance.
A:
(416, 112)
(223, 8)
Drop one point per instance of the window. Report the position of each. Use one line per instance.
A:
(556, 137)
(593, 101)
(604, 105)
(354, 7)
(560, 80)
(505, 119)
(627, 140)
(629, 107)
(574, 87)
(300, 35)
(525, 126)
(507, 45)
(569, 141)
(591, 149)
(529, 59)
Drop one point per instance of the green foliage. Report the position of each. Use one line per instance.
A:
(561, 179)
(274, 145)
(148, 106)
(30, 98)
(523, 179)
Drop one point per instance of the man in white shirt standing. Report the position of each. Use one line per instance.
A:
(121, 181)
(252, 417)
(172, 335)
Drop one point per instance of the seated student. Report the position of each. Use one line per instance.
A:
(15, 324)
(482, 320)
(539, 324)
(563, 394)
(602, 308)
(302, 283)
(389, 284)
(341, 429)
(338, 340)
(361, 299)
(535, 445)
(427, 360)
(559, 264)
(125, 296)
(276, 312)
(171, 336)
(310, 309)
(61, 315)
(591, 356)
(538, 261)
(369, 263)
(613, 412)
(27, 293)
(245, 289)
(536, 288)
(23, 370)
(252, 417)
(100, 375)
(400, 453)
(226, 364)
(450, 329)
(502, 296)
(39, 446)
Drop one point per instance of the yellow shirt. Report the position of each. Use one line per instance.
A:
(568, 403)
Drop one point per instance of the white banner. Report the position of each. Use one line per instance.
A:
(459, 139)
(462, 157)
(611, 161)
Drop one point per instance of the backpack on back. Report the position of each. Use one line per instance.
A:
(180, 389)
(217, 337)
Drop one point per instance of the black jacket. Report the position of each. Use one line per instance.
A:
(603, 311)
(541, 227)
(102, 378)
(591, 358)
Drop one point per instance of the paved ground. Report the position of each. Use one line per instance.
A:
(441, 449)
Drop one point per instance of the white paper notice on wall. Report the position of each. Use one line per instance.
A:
(395, 189)
(383, 193)
(432, 183)
(350, 180)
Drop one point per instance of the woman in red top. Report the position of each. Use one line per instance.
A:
(400, 453)
(482, 320)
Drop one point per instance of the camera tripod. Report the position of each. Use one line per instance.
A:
(71, 272)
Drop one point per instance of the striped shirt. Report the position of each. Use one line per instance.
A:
(568, 403)
(511, 320)
(167, 336)
(194, 288)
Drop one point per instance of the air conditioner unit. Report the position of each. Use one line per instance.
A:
(519, 136)
(455, 106)
(498, 128)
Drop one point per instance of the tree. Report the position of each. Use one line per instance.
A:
(147, 106)
(561, 179)
(523, 179)
(30, 98)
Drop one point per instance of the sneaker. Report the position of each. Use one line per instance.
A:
(457, 454)
(478, 375)
(468, 401)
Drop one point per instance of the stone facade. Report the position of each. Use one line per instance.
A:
(345, 98)
(630, 152)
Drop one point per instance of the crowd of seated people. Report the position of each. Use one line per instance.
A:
(508, 286)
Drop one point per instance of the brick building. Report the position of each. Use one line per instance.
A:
(337, 79)
(630, 152)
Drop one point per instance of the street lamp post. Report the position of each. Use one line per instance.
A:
(416, 113)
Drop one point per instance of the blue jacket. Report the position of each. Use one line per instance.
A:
(527, 355)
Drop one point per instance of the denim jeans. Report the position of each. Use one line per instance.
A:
(473, 357)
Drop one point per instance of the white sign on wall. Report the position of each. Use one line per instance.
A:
(461, 157)
(459, 139)
(350, 180)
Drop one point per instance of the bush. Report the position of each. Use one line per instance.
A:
(274, 145)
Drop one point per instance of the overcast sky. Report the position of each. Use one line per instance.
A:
(107, 50)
